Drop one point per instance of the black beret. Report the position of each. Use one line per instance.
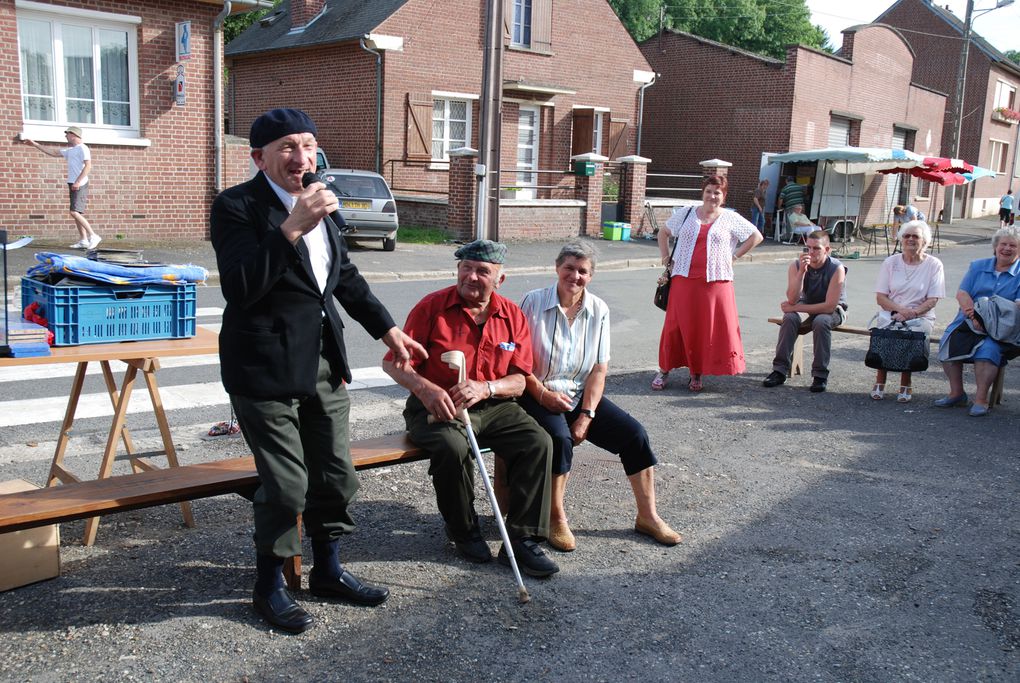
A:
(274, 124)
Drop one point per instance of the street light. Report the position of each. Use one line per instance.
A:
(961, 83)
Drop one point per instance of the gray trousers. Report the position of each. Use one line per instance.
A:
(796, 324)
(303, 457)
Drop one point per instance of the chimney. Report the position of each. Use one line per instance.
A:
(303, 11)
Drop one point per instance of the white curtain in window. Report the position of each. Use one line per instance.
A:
(78, 83)
(37, 70)
(113, 77)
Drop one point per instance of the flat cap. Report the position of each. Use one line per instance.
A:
(276, 123)
(482, 250)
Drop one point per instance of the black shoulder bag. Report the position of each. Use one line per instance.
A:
(661, 298)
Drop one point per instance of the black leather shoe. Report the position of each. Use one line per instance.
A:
(348, 587)
(473, 548)
(818, 385)
(282, 611)
(774, 379)
(531, 559)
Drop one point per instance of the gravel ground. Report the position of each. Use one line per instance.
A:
(827, 538)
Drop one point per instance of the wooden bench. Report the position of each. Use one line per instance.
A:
(797, 365)
(85, 499)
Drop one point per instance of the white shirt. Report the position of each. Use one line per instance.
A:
(564, 353)
(76, 157)
(316, 240)
(909, 285)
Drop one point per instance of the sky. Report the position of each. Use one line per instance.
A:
(1001, 28)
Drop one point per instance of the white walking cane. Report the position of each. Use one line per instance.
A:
(455, 360)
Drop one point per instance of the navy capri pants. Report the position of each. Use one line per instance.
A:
(613, 429)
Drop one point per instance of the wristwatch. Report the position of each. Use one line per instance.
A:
(492, 392)
(589, 412)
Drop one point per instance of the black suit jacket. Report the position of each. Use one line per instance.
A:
(273, 320)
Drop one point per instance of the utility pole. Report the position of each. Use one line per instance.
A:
(490, 119)
(961, 87)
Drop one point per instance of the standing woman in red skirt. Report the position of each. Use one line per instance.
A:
(701, 331)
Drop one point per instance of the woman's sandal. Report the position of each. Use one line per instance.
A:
(878, 392)
(659, 381)
(905, 394)
(695, 385)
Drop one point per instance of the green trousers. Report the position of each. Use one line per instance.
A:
(302, 454)
(512, 435)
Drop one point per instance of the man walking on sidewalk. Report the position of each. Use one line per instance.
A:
(79, 163)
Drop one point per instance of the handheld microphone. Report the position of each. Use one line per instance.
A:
(338, 221)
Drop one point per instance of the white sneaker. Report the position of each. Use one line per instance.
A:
(80, 244)
(94, 242)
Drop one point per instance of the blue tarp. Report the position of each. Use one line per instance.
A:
(114, 274)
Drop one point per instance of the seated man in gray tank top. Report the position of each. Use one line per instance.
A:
(815, 302)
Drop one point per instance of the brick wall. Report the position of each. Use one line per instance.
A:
(528, 221)
(715, 101)
(160, 192)
(430, 213)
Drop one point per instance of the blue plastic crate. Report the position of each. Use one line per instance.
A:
(96, 314)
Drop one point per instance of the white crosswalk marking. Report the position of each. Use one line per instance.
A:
(175, 397)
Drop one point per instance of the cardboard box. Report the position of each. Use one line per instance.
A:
(28, 555)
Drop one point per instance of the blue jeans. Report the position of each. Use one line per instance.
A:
(758, 218)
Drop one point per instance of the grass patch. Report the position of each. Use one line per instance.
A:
(416, 234)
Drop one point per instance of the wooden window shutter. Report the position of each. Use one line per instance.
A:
(618, 138)
(541, 25)
(584, 129)
(418, 144)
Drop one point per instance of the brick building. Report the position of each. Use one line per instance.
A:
(571, 79)
(110, 67)
(987, 138)
(714, 100)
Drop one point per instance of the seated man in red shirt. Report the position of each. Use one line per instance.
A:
(493, 334)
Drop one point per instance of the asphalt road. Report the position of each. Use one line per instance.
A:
(828, 537)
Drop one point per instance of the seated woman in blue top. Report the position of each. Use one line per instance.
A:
(997, 275)
(570, 344)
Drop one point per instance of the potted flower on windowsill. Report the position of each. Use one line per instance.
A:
(1006, 114)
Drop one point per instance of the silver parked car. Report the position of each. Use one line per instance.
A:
(366, 203)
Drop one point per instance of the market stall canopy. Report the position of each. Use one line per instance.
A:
(853, 160)
(946, 171)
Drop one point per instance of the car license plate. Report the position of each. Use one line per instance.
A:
(355, 204)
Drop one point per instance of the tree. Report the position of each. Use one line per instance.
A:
(1013, 55)
(234, 25)
(762, 26)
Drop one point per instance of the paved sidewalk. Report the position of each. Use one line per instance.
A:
(425, 262)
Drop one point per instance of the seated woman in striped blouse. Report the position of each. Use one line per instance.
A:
(570, 342)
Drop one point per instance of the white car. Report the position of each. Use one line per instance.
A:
(366, 203)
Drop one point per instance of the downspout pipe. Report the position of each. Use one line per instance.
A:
(378, 104)
(641, 111)
(218, 94)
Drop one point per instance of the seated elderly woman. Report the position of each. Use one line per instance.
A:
(998, 275)
(570, 341)
(909, 285)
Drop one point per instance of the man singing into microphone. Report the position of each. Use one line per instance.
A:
(283, 267)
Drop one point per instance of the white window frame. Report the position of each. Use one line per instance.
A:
(1005, 95)
(998, 155)
(596, 133)
(447, 98)
(93, 133)
(518, 24)
(527, 180)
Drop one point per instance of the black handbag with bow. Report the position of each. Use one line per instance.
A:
(897, 348)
